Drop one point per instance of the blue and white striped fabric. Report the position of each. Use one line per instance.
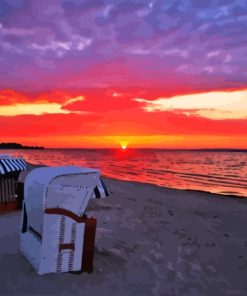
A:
(10, 164)
(100, 191)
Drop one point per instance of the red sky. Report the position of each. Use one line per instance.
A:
(141, 73)
(107, 118)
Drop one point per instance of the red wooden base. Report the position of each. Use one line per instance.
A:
(88, 246)
(9, 206)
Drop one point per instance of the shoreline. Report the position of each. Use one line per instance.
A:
(150, 240)
(223, 195)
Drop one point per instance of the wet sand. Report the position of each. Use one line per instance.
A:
(149, 241)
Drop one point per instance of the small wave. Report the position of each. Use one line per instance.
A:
(193, 175)
(217, 184)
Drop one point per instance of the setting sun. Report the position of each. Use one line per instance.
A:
(124, 145)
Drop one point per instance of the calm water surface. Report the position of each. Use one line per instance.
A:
(219, 172)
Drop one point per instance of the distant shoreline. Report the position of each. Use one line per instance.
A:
(18, 146)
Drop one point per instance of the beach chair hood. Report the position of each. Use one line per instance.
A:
(9, 164)
(68, 187)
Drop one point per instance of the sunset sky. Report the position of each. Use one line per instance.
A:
(97, 73)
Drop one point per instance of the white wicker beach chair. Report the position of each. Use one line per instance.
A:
(53, 234)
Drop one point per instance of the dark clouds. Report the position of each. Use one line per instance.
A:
(54, 44)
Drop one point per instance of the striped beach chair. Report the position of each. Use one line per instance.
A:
(10, 169)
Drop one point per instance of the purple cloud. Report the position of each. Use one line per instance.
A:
(46, 44)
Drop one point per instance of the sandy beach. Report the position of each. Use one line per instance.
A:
(149, 241)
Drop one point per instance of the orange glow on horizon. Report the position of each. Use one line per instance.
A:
(153, 141)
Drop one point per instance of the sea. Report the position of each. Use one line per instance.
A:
(222, 172)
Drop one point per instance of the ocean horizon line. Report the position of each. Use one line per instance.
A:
(148, 148)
